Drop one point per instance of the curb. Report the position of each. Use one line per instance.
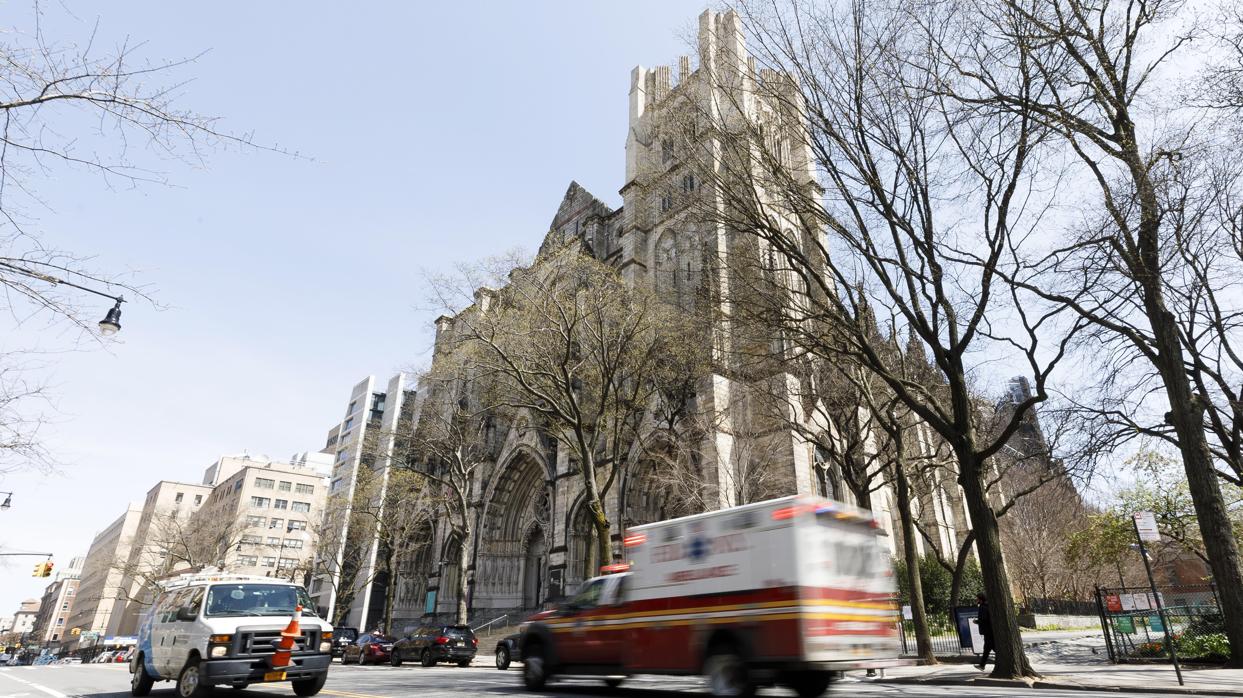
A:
(1057, 685)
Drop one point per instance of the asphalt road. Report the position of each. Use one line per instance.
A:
(112, 681)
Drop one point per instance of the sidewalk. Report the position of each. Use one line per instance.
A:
(1071, 664)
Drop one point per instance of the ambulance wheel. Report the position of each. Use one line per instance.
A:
(309, 687)
(728, 674)
(189, 681)
(808, 684)
(613, 681)
(140, 682)
(534, 667)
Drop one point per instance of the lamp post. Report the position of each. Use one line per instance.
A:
(110, 325)
(8, 501)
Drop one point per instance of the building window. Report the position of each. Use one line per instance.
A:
(292, 544)
(276, 523)
(255, 520)
(237, 485)
(269, 562)
(64, 606)
(264, 483)
(336, 482)
(301, 506)
(284, 486)
(349, 423)
(177, 499)
(666, 150)
(351, 407)
(341, 454)
(666, 203)
(281, 504)
(248, 560)
(273, 540)
(345, 438)
(251, 540)
(688, 183)
(288, 563)
(305, 489)
(297, 525)
(260, 502)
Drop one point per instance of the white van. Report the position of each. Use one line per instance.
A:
(211, 629)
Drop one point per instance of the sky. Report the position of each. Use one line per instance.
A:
(431, 133)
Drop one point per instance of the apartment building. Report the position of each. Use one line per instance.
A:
(363, 437)
(99, 601)
(269, 511)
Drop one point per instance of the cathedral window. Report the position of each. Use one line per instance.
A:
(666, 151)
(688, 183)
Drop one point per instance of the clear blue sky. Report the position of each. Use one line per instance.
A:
(440, 132)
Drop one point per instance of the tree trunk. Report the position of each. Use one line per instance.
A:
(919, 616)
(463, 565)
(964, 552)
(1187, 417)
(390, 590)
(604, 543)
(1007, 638)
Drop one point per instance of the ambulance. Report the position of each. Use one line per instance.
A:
(209, 628)
(790, 591)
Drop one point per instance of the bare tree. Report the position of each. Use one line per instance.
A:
(453, 440)
(1095, 73)
(923, 206)
(568, 341)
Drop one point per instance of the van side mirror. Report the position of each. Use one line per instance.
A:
(187, 613)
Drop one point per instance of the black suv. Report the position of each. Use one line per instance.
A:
(342, 638)
(436, 643)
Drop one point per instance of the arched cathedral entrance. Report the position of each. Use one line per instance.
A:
(512, 569)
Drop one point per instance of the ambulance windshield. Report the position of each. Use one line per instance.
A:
(257, 600)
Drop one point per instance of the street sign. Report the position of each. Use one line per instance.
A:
(1146, 527)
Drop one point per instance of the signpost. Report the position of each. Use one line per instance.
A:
(1146, 530)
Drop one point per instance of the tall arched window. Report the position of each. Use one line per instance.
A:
(668, 282)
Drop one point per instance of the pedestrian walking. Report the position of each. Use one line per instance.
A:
(984, 621)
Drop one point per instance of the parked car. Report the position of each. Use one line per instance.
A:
(70, 660)
(371, 648)
(342, 638)
(430, 644)
(508, 650)
(103, 657)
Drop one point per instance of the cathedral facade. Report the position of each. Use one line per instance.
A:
(533, 539)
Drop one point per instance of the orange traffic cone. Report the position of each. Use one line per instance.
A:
(284, 647)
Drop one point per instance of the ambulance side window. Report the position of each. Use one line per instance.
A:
(590, 595)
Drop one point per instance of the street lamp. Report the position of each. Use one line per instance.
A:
(8, 501)
(110, 325)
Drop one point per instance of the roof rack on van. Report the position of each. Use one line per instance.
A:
(210, 575)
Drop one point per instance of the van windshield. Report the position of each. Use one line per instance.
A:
(256, 600)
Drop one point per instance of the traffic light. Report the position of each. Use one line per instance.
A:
(38, 570)
(43, 569)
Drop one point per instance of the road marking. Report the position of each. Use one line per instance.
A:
(349, 695)
(51, 692)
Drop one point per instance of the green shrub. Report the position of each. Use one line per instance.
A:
(1212, 647)
(937, 582)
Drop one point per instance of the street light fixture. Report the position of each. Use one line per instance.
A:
(110, 325)
(8, 501)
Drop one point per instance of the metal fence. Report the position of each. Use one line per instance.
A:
(1058, 607)
(1134, 631)
(945, 640)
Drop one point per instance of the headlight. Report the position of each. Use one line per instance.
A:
(325, 646)
(219, 651)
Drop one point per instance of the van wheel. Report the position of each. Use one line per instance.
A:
(140, 682)
(426, 658)
(189, 681)
(534, 667)
(808, 684)
(728, 674)
(309, 687)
